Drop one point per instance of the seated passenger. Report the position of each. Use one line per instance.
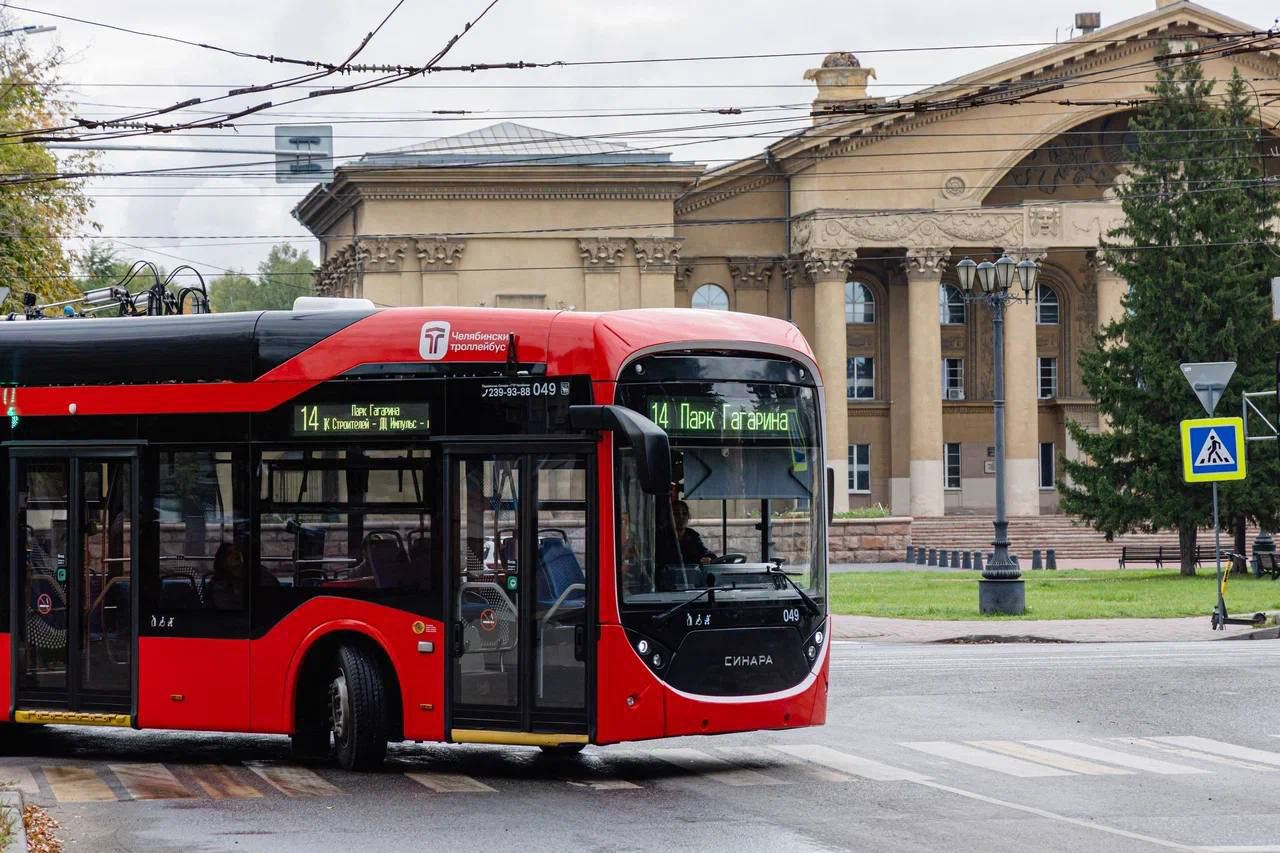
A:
(225, 590)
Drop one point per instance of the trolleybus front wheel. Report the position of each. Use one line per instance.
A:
(358, 710)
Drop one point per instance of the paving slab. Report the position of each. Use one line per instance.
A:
(882, 629)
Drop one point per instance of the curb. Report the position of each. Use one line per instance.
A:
(992, 639)
(1272, 633)
(11, 807)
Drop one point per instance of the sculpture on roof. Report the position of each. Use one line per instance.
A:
(841, 80)
(841, 59)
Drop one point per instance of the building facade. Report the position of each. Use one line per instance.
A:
(851, 229)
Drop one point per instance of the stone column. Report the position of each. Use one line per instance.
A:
(383, 260)
(1111, 289)
(602, 281)
(924, 366)
(751, 278)
(1021, 391)
(438, 259)
(829, 269)
(350, 272)
(684, 279)
(657, 257)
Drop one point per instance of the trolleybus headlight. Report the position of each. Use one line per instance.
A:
(817, 638)
(643, 647)
(812, 652)
(657, 660)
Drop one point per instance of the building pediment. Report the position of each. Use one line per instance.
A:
(1118, 46)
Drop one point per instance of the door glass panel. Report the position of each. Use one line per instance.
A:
(560, 603)
(487, 568)
(41, 533)
(106, 576)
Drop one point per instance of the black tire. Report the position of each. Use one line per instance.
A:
(359, 718)
(563, 748)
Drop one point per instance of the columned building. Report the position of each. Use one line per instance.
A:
(851, 229)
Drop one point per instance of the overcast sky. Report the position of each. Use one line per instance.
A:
(244, 213)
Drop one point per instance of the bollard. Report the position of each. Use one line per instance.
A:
(1051, 560)
(933, 556)
(1035, 559)
(1013, 558)
(942, 558)
(968, 560)
(977, 560)
(919, 555)
(955, 559)
(911, 553)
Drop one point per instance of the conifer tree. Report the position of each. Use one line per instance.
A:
(1196, 248)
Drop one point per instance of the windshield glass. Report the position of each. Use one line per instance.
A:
(747, 497)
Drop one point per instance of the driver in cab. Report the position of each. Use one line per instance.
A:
(683, 545)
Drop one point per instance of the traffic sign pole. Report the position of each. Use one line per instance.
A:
(1221, 606)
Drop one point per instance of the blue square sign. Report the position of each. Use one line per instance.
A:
(1213, 449)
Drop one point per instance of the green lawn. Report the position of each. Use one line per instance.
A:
(1073, 594)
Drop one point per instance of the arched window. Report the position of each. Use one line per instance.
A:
(950, 305)
(859, 303)
(1046, 305)
(711, 297)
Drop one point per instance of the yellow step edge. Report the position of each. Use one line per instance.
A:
(514, 738)
(77, 718)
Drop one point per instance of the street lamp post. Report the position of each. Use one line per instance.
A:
(1001, 589)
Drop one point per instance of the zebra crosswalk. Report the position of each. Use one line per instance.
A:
(444, 772)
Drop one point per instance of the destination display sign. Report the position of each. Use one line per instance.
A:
(717, 416)
(370, 419)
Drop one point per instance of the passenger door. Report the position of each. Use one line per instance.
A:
(520, 558)
(74, 542)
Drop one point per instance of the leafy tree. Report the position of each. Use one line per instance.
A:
(233, 291)
(36, 210)
(101, 265)
(282, 277)
(1193, 249)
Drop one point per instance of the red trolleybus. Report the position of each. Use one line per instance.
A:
(431, 524)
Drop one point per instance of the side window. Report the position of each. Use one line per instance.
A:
(202, 535)
(344, 520)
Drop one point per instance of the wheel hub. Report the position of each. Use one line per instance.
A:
(339, 707)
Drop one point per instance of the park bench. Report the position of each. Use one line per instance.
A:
(1268, 563)
(1156, 554)
(1143, 554)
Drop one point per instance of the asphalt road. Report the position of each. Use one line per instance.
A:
(956, 748)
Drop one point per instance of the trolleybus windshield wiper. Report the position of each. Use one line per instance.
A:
(664, 616)
(777, 572)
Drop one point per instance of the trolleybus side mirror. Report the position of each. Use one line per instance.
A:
(645, 438)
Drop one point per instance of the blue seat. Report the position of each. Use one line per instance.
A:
(558, 569)
(179, 592)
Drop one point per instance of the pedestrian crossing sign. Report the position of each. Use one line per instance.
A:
(1213, 449)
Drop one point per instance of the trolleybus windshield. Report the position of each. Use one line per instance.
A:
(746, 504)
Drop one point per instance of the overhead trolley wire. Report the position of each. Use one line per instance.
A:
(404, 72)
(321, 65)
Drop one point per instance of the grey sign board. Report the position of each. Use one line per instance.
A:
(304, 154)
(1208, 380)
